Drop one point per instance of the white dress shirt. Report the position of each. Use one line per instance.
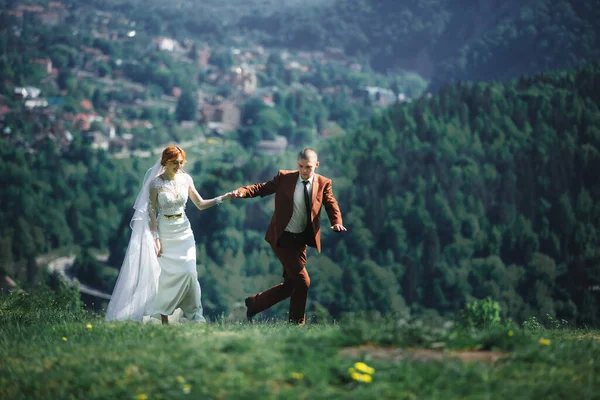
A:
(299, 218)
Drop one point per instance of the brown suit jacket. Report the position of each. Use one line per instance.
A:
(283, 185)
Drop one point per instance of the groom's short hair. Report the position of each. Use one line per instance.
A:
(308, 154)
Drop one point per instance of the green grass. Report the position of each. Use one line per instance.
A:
(262, 361)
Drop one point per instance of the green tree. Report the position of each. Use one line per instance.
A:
(187, 106)
(222, 59)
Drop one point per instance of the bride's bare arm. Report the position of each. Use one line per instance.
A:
(152, 211)
(152, 219)
(201, 203)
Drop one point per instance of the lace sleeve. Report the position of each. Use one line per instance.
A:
(152, 209)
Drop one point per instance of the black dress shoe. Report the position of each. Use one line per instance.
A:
(249, 313)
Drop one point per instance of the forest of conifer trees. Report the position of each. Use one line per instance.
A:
(485, 190)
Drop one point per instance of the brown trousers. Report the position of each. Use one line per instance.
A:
(291, 252)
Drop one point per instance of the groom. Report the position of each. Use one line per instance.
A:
(294, 225)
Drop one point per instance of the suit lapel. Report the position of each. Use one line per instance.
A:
(315, 190)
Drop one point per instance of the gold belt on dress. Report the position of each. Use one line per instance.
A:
(172, 216)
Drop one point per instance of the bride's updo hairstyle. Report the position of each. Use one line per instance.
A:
(171, 153)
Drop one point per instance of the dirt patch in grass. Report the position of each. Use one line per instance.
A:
(420, 355)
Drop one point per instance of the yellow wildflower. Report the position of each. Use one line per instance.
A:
(180, 379)
(297, 375)
(142, 396)
(64, 339)
(511, 333)
(187, 388)
(366, 378)
(362, 367)
(545, 342)
(89, 326)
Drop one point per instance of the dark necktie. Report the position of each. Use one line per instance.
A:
(307, 204)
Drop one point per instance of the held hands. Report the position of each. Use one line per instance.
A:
(338, 228)
(236, 194)
(227, 196)
(220, 199)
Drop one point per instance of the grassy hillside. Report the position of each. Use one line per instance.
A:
(59, 352)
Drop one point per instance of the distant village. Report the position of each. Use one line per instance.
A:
(112, 130)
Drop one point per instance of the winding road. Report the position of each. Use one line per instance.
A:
(61, 265)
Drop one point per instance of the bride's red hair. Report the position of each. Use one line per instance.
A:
(171, 153)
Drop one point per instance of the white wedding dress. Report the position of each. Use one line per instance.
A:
(178, 286)
(149, 286)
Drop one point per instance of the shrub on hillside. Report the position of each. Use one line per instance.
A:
(480, 314)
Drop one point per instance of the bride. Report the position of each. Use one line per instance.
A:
(158, 274)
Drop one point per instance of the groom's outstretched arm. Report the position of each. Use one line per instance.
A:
(332, 208)
(258, 189)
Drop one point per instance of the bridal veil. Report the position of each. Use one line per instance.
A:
(136, 287)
